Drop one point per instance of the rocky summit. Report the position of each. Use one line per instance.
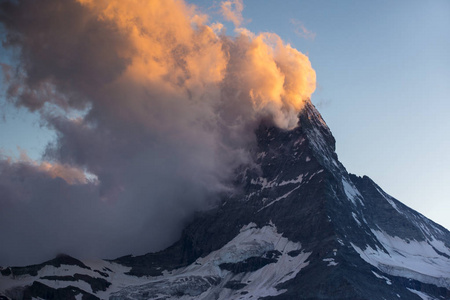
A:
(297, 226)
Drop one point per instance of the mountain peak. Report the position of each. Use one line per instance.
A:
(298, 226)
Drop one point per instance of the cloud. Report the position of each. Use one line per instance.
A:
(167, 110)
(70, 174)
(42, 216)
(232, 11)
(301, 31)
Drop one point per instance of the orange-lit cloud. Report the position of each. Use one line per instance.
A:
(166, 49)
(276, 77)
(232, 11)
(70, 174)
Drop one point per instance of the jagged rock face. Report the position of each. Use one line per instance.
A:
(297, 227)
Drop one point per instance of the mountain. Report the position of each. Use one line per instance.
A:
(298, 226)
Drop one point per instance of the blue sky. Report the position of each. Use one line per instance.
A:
(383, 74)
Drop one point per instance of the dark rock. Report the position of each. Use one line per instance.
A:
(61, 259)
(97, 284)
(235, 285)
(104, 274)
(251, 264)
(40, 290)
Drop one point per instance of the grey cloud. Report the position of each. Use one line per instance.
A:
(166, 114)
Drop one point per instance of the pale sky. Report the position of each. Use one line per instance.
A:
(383, 74)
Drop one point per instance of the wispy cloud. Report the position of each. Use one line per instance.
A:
(232, 11)
(301, 31)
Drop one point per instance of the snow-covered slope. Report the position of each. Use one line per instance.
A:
(409, 258)
(249, 266)
(298, 226)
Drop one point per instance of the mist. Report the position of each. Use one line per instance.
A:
(154, 107)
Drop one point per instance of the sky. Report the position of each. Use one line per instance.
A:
(115, 116)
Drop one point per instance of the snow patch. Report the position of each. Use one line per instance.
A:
(248, 227)
(356, 218)
(388, 199)
(299, 141)
(58, 284)
(388, 281)
(278, 199)
(263, 182)
(440, 246)
(314, 174)
(261, 155)
(421, 294)
(296, 180)
(331, 262)
(409, 259)
(351, 192)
